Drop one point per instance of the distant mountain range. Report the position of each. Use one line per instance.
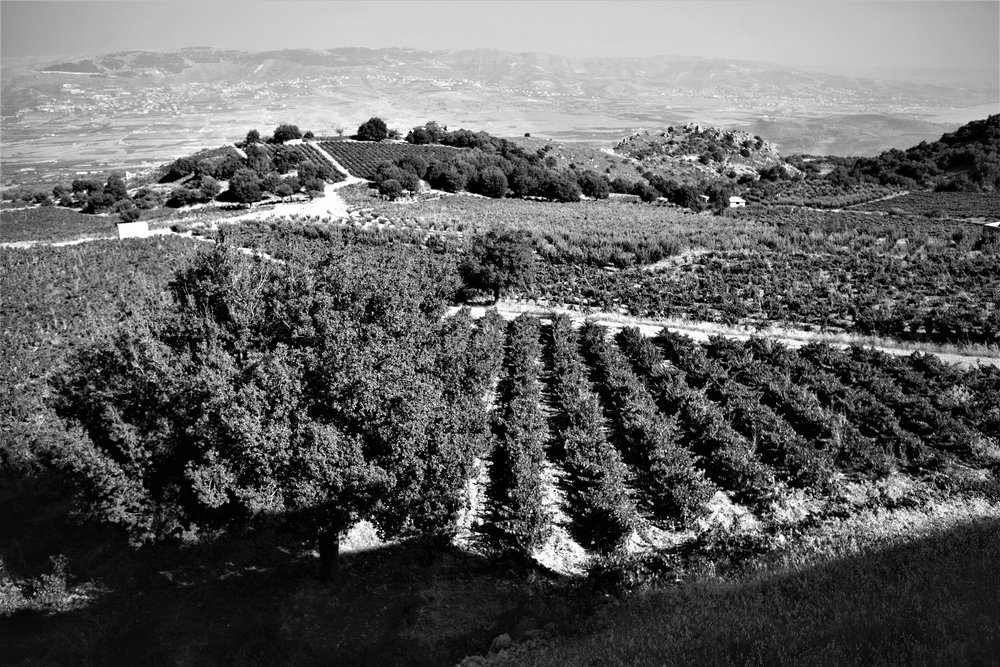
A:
(202, 96)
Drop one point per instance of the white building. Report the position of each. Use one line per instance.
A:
(133, 230)
(737, 202)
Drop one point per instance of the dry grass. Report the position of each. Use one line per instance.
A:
(903, 586)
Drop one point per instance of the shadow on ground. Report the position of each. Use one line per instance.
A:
(931, 600)
(254, 601)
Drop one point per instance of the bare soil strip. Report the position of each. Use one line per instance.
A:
(702, 331)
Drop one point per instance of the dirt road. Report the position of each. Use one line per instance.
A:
(702, 331)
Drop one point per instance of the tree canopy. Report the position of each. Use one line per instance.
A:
(245, 186)
(373, 129)
(498, 261)
(309, 395)
(285, 133)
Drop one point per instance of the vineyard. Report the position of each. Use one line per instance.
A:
(907, 278)
(985, 205)
(362, 158)
(817, 194)
(51, 223)
(631, 447)
(305, 152)
(646, 431)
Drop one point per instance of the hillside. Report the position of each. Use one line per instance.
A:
(967, 160)
(134, 107)
(699, 151)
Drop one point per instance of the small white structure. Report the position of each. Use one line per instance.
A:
(737, 202)
(133, 230)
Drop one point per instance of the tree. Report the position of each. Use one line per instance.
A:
(373, 129)
(315, 187)
(285, 133)
(418, 136)
(284, 159)
(270, 182)
(526, 180)
(593, 184)
(85, 186)
(253, 137)
(498, 261)
(127, 211)
(209, 187)
(308, 396)
(178, 169)
(184, 196)
(390, 188)
(561, 188)
(491, 182)
(61, 191)
(284, 190)
(258, 160)
(308, 135)
(718, 196)
(98, 201)
(227, 166)
(146, 199)
(245, 186)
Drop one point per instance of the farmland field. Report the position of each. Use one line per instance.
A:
(983, 205)
(49, 223)
(902, 277)
(784, 439)
(361, 158)
(643, 461)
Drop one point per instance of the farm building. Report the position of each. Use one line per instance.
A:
(133, 230)
(737, 202)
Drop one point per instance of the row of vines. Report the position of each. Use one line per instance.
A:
(648, 430)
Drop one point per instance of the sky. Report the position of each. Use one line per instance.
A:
(833, 34)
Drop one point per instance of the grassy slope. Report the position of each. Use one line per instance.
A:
(898, 587)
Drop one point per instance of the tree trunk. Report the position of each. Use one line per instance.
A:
(329, 557)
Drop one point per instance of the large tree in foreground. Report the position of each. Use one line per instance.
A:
(311, 396)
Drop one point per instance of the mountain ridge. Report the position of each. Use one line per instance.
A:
(143, 105)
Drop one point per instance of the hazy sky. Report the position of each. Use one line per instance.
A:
(850, 35)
